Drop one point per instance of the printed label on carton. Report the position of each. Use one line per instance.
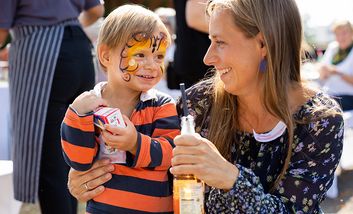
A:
(112, 116)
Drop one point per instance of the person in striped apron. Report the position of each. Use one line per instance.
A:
(50, 63)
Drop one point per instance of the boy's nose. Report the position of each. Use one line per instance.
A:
(150, 63)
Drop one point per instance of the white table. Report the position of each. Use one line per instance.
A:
(7, 202)
(4, 121)
(346, 159)
(348, 119)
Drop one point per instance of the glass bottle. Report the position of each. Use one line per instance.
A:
(188, 191)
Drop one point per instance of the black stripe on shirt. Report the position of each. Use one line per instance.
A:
(140, 186)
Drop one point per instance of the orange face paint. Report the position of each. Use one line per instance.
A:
(140, 43)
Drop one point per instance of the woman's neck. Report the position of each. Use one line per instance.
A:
(254, 116)
(346, 47)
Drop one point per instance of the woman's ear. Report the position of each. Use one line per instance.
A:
(103, 55)
(262, 45)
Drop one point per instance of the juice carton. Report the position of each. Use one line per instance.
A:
(106, 115)
(112, 116)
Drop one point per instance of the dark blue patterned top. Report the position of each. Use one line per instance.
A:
(316, 152)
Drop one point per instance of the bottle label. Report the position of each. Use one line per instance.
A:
(191, 198)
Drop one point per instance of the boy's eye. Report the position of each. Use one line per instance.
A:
(160, 56)
(139, 55)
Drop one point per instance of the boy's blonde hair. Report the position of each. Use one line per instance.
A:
(125, 21)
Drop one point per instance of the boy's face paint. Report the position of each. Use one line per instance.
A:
(138, 49)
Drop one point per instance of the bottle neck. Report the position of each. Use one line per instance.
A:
(187, 125)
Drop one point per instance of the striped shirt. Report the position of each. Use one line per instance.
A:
(143, 184)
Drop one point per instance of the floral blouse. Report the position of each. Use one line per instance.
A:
(316, 151)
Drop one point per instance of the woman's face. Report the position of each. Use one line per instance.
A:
(235, 57)
(344, 36)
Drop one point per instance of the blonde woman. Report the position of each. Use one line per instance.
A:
(267, 143)
(272, 144)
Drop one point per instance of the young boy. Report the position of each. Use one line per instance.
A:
(131, 48)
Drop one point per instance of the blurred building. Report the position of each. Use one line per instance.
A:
(150, 4)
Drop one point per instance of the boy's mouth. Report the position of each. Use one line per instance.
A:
(146, 76)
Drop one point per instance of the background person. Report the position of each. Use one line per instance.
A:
(191, 43)
(50, 63)
(336, 65)
(167, 16)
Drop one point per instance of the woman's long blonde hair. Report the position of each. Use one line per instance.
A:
(280, 24)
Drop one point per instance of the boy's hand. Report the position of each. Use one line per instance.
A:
(124, 139)
(87, 102)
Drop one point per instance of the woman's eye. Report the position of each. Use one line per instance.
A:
(219, 43)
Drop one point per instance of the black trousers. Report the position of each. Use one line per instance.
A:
(74, 74)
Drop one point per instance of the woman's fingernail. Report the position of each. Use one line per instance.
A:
(108, 176)
(106, 161)
(111, 168)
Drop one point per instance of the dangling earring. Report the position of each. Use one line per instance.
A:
(263, 65)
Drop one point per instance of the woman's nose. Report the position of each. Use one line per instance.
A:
(209, 58)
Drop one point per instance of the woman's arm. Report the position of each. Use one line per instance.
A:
(91, 15)
(333, 70)
(308, 177)
(3, 35)
(347, 78)
(195, 14)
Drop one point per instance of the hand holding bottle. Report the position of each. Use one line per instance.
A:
(198, 156)
(188, 190)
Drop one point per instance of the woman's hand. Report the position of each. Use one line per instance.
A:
(328, 70)
(324, 72)
(124, 139)
(86, 185)
(196, 155)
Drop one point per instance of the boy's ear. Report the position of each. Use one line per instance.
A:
(103, 55)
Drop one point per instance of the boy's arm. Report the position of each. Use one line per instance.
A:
(156, 151)
(78, 140)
